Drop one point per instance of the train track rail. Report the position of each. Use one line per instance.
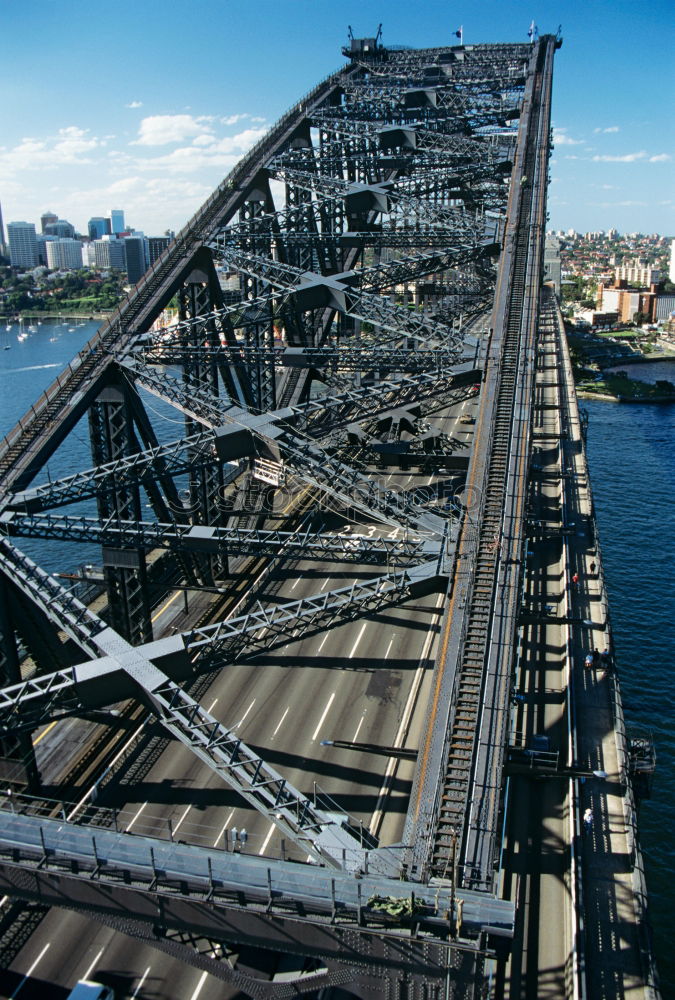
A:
(454, 799)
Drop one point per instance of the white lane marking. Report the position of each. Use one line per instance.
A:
(210, 708)
(180, 821)
(401, 734)
(322, 642)
(391, 643)
(325, 582)
(358, 639)
(200, 984)
(267, 839)
(93, 964)
(140, 985)
(30, 971)
(219, 838)
(281, 721)
(358, 728)
(136, 817)
(295, 584)
(243, 718)
(323, 717)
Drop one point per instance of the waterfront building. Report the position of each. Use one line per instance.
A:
(64, 254)
(46, 219)
(97, 227)
(116, 221)
(671, 268)
(22, 244)
(3, 245)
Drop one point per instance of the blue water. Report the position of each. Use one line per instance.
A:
(632, 463)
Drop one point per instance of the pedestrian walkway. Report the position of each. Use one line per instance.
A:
(611, 889)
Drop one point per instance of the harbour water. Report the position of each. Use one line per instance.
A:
(632, 463)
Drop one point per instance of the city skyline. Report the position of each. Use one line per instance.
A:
(183, 104)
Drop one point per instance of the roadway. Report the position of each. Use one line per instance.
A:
(365, 681)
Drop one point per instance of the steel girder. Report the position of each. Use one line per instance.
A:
(117, 667)
(176, 458)
(302, 456)
(301, 544)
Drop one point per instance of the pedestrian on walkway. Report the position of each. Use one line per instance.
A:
(596, 658)
(575, 581)
(588, 821)
(593, 567)
(605, 659)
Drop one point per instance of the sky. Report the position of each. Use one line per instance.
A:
(147, 105)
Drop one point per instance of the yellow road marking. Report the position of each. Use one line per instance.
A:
(44, 732)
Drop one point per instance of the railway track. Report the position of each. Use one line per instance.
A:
(471, 673)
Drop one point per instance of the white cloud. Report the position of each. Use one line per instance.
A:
(233, 119)
(69, 146)
(134, 104)
(625, 158)
(560, 138)
(659, 158)
(611, 128)
(217, 153)
(160, 130)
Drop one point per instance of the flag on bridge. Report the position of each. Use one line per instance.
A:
(459, 33)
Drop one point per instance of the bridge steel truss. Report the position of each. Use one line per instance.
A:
(412, 202)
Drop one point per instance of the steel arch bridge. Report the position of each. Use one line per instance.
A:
(374, 260)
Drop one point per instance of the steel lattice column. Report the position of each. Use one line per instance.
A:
(198, 297)
(260, 335)
(112, 438)
(17, 755)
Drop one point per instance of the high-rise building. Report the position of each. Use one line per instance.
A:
(22, 244)
(134, 247)
(62, 228)
(64, 254)
(116, 220)
(109, 252)
(156, 247)
(2, 234)
(42, 239)
(671, 267)
(635, 273)
(98, 227)
(46, 219)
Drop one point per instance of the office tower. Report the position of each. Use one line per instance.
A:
(62, 228)
(135, 256)
(2, 234)
(98, 227)
(671, 268)
(64, 254)
(46, 219)
(156, 247)
(109, 252)
(22, 244)
(41, 240)
(116, 220)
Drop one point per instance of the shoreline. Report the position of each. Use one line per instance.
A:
(31, 317)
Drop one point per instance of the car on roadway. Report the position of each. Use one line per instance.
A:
(466, 418)
(87, 989)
